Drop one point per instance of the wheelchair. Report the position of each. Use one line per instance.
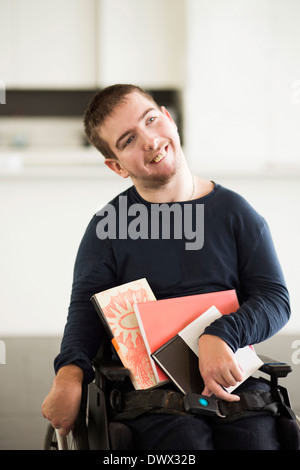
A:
(97, 429)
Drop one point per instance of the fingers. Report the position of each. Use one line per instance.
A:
(231, 377)
(219, 379)
(63, 431)
(219, 392)
(62, 428)
(218, 382)
(206, 392)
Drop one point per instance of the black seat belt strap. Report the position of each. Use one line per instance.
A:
(250, 403)
(133, 404)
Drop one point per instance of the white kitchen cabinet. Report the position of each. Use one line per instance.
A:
(141, 42)
(5, 41)
(54, 44)
(48, 44)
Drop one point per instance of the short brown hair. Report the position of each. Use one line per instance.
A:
(100, 107)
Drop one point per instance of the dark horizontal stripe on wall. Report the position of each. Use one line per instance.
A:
(29, 103)
(72, 103)
(64, 102)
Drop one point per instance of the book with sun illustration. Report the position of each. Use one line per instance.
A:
(115, 308)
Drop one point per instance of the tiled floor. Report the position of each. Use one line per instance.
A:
(27, 375)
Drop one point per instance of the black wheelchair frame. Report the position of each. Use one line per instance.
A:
(94, 430)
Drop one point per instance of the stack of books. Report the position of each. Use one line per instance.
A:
(157, 340)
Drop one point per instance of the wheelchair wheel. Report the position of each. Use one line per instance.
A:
(75, 440)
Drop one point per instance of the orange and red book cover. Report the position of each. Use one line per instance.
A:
(115, 308)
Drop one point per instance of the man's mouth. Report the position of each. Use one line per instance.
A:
(160, 156)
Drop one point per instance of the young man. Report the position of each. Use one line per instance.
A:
(139, 140)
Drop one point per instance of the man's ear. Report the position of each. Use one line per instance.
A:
(115, 166)
(166, 113)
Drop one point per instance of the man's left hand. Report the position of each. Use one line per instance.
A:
(218, 367)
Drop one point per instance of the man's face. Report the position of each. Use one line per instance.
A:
(144, 139)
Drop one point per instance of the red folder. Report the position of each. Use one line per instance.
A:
(159, 321)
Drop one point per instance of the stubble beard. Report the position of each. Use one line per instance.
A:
(159, 181)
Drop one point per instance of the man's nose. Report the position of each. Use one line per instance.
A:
(151, 142)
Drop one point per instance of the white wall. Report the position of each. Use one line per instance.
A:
(242, 107)
(42, 222)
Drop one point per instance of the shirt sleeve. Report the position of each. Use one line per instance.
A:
(264, 307)
(93, 272)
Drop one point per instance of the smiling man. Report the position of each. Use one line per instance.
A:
(148, 149)
(144, 144)
(139, 140)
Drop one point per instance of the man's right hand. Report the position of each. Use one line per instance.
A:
(61, 405)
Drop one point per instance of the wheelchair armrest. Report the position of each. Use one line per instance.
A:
(274, 368)
(112, 371)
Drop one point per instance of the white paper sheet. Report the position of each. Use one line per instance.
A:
(246, 357)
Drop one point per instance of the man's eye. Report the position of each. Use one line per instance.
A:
(151, 119)
(128, 141)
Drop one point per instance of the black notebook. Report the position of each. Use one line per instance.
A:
(180, 363)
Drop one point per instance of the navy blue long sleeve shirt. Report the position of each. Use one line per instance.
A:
(237, 253)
